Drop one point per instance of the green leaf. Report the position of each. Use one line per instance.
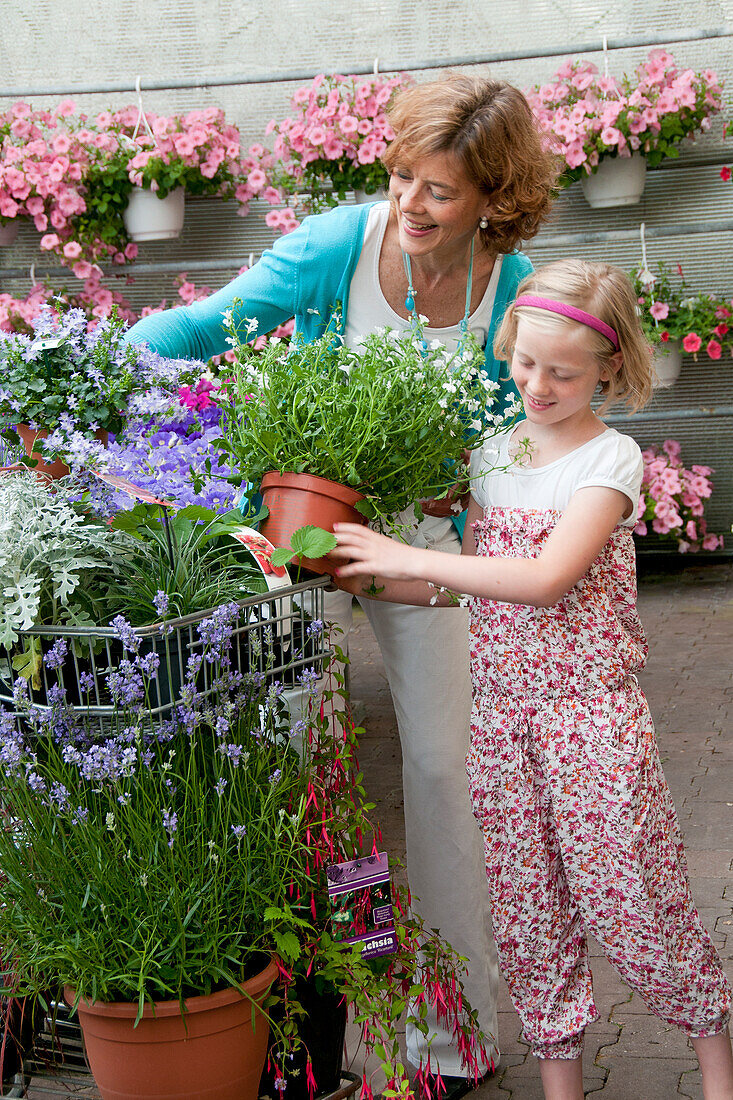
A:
(287, 944)
(282, 555)
(28, 663)
(312, 542)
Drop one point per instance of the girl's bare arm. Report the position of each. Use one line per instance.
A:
(402, 571)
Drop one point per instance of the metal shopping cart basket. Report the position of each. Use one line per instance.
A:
(276, 637)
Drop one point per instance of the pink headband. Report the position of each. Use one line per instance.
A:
(570, 311)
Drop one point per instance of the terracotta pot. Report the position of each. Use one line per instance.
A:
(213, 1051)
(618, 181)
(54, 469)
(148, 218)
(667, 364)
(295, 500)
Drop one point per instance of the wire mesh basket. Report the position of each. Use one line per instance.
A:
(275, 638)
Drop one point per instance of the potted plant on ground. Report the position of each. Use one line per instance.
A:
(332, 141)
(607, 130)
(672, 499)
(676, 321)
(170, 856)
(372, 430)
(320, 970)
(154, 887)
(68, 387)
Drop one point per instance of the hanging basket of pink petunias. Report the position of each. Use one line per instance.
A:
(608, 130)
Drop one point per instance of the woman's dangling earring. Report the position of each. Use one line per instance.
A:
(483, 222)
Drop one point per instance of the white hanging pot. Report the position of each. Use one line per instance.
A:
(667, 364)
(361, 196)
(148, 218)
(8, 233)
(617, 181)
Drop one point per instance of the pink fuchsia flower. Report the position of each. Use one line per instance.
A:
(691, 530)
(712, 542)
(72, 250)
(659, 310)
(714, 349)
(721, 329)
(692, 343)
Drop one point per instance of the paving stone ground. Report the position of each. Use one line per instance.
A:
(688, 616)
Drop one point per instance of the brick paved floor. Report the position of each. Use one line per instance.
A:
(688, 616)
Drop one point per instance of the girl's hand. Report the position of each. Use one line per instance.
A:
(371, 554)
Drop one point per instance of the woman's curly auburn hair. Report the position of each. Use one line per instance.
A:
(489, 126)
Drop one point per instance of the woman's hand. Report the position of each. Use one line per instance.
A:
(446, 507)
(372, 554)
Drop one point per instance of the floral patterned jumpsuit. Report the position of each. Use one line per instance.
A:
(579, 827)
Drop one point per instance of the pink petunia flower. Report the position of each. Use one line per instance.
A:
(692, 343)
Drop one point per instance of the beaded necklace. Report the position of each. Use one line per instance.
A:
(410, 301)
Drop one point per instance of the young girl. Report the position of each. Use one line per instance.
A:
(566, 784)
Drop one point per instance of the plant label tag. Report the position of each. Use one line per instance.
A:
(360, 893)
(276, 576)
(133, 491)
(47, 343)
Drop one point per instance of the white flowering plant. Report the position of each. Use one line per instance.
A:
(391, 418)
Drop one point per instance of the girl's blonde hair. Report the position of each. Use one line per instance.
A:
(606, 292)
(489, 127)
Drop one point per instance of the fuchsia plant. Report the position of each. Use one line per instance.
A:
(334, 138)
(672, 499)
(591, 117)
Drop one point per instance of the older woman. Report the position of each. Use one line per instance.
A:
(470, 178)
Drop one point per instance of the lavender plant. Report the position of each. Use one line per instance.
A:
(154, 864)
(168, 861)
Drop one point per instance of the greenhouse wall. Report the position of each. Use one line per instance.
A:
(249, 58)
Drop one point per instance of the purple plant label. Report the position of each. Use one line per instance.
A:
(361, 904)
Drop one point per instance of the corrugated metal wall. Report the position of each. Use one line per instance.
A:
(95, 51)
